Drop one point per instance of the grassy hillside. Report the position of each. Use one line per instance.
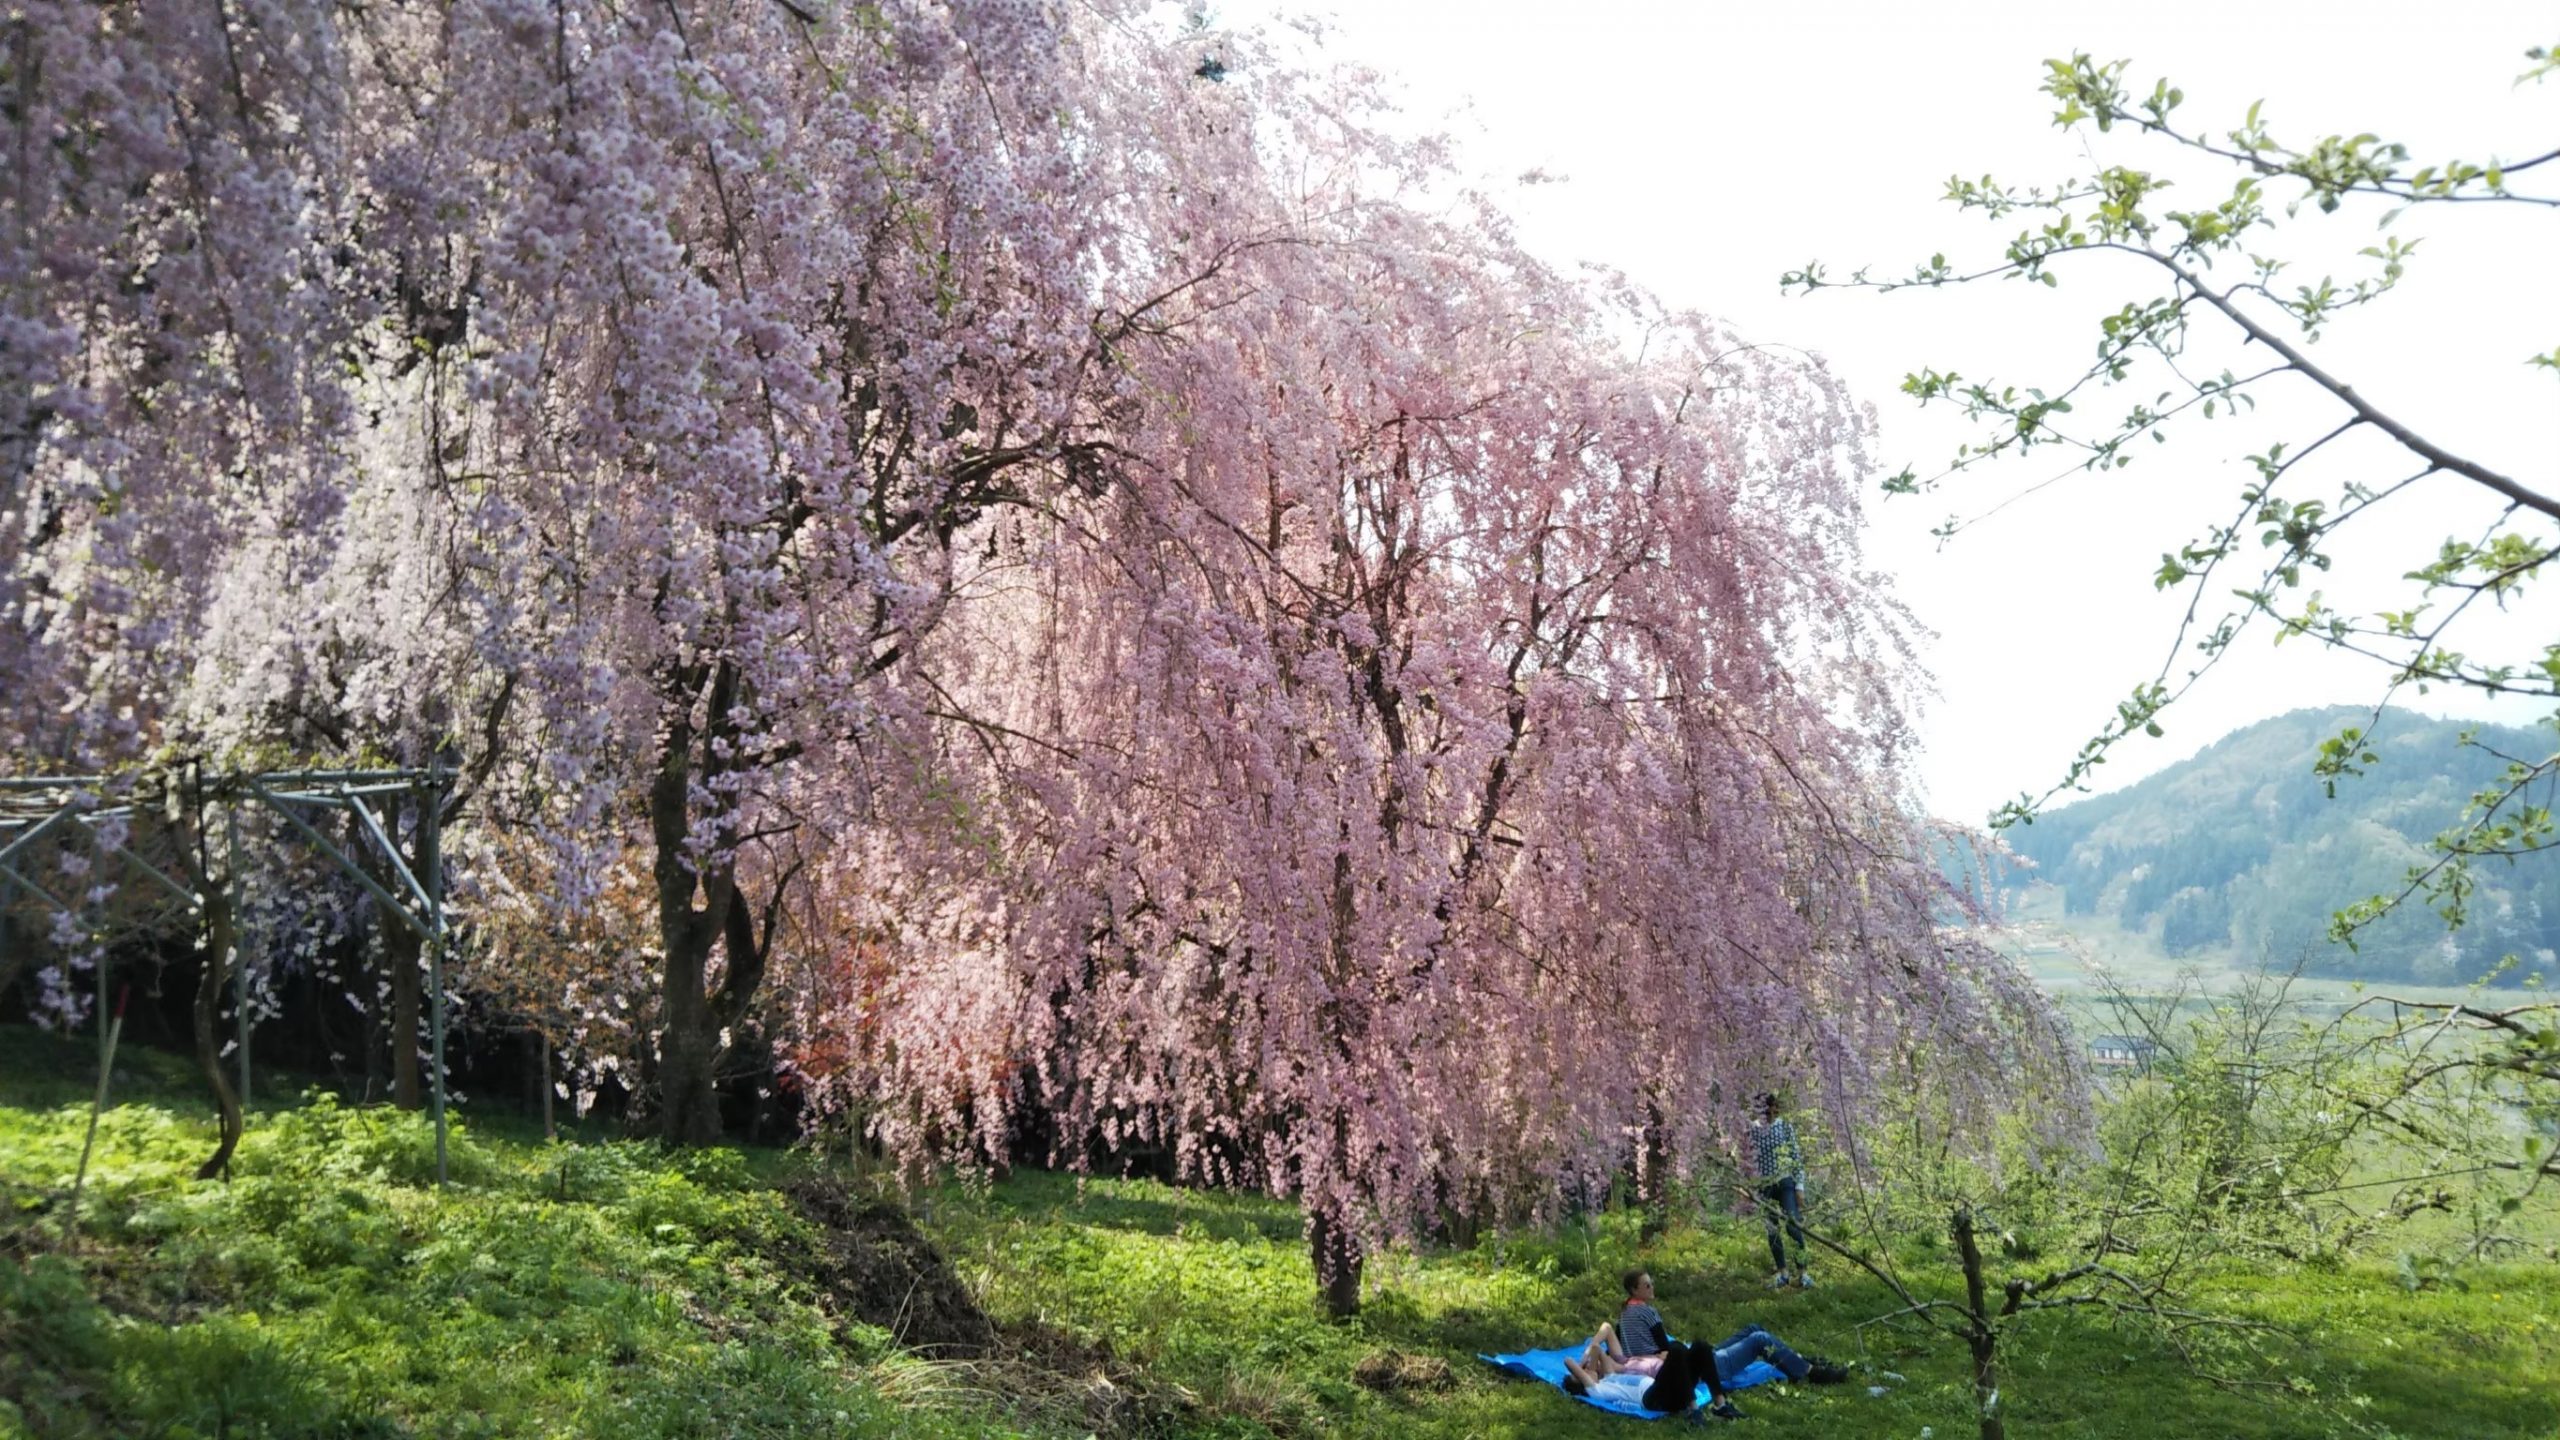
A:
(327, 1290)
(2240, 851)
(605, 1289)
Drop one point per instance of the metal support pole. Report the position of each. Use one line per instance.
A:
(391, 853)
(52, 782)
(35, 832)
(390, 902)
(132, 861)
(239, 952)
(431, 864)
(14, 876)
(97, 1107)
(335, 778)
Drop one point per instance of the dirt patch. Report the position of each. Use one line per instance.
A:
(1083, 1384)
(1397, 1370)
(875, 1266)
(872, 1264)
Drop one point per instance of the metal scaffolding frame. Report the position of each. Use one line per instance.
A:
(33, 807)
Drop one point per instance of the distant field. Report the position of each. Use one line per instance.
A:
(2080, 959)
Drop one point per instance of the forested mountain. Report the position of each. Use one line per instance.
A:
(2242, 847)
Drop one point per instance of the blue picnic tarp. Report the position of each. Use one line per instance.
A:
(1548, 1365)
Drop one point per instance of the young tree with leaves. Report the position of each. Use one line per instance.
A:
(2221, 278)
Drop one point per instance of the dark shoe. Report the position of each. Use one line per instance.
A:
(1725, 1409)
(1825, 1372)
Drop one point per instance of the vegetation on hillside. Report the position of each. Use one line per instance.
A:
(2243, 846)
(609, 1288)
(329, 1290)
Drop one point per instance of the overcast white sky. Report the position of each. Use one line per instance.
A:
(1708, 147)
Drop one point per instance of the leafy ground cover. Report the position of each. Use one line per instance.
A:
(583, 1289)
(599, 1288)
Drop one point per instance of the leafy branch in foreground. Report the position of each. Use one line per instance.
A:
(2223, 291)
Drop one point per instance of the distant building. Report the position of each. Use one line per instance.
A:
(2121, 1052)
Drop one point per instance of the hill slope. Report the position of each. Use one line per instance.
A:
(614, 1291)
(2240, 847)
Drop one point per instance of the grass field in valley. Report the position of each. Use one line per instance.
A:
(2080, 960)
(606, 1289)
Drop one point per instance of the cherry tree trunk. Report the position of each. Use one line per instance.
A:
(694, 1015)
(218, 959)
(1335, 1249)
(1980, 1337)
(688, 1047)
(1653, 1174)
(691, 1016)
(542, 1082)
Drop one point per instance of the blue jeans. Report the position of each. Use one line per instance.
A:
(1783, 1198)
(1753, 1343)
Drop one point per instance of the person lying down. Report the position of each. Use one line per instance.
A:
(1606, 1358)
(1668, 1381)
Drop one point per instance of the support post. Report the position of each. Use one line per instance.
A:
(550, 1130)
(97, 1107)
(338, 857)
(34, 833)
(431, 861)
(10, 874)
(240, 957)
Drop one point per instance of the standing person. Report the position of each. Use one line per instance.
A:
(1777, 1164)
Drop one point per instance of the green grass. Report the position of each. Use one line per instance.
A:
(596, 1288)
(329, 1290)
(1214, 1292)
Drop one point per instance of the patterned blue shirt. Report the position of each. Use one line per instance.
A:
(1773, 1143)
(1640, 1330)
